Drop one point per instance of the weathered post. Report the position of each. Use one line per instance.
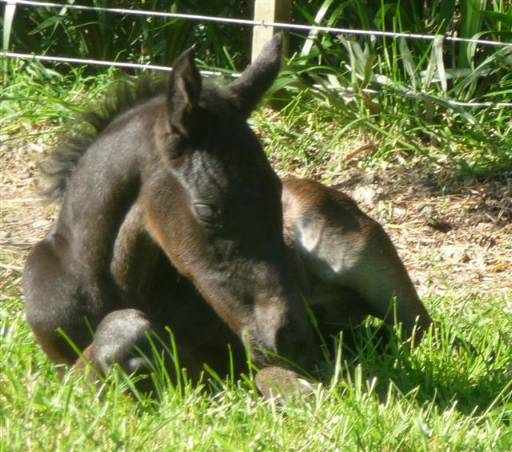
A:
(267, 11)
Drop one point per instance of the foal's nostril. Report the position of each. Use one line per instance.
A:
(282, 346)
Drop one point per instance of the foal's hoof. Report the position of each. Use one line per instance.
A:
(277, 383)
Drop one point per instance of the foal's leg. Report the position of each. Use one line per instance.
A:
(343, 247)
(139, 345)
(147, 285)
(60, 299)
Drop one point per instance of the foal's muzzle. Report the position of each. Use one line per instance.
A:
(281, 334)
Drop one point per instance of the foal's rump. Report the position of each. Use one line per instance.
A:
(60, 305)
(354, 266)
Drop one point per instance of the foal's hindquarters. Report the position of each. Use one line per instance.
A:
(353, 267)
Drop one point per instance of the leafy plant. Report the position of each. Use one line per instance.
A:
(414, 87)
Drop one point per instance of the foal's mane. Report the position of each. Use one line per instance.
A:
(82, 130)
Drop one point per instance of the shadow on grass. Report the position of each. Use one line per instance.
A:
(473, 375)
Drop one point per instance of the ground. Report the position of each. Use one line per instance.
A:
(456, 241)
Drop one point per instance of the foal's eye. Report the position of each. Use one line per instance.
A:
(209, 214)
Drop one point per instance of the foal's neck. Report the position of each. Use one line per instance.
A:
(105, 185)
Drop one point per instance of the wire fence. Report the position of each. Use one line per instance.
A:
(252, 23)
(248, 23)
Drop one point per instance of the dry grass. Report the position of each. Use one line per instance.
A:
(24, 218)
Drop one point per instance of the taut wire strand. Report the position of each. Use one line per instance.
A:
(143, 66)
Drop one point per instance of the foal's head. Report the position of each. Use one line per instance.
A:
(215, 206)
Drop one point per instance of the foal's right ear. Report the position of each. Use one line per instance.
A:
(183, 94)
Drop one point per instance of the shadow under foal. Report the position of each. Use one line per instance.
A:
(172, 217)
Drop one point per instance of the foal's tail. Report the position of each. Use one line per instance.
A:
(58, 168)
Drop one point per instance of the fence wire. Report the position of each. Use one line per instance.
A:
(252, 23)
(121, 64)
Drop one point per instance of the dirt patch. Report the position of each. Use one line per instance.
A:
(24, 218)
(453, 237)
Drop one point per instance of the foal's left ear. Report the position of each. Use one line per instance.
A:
(183, 94)
(248, 90)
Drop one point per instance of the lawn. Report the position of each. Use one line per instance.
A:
(443, 395)
(439, 397)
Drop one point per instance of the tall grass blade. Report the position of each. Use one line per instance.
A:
(428, 75)
(322, 11)
(408, 61)
(506, 19)
(471, 19)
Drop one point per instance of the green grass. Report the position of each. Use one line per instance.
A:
(438, 397)
(106, 36)
(404, 89)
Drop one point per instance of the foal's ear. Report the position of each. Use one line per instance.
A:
(183, 94)
(248, 90)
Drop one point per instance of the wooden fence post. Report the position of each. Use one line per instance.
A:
(268, 11)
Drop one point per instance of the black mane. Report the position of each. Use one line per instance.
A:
(83, 130)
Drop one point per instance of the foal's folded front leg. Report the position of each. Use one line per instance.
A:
(342, 247)
(139, 345)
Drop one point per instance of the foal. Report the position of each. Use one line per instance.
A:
(172, 217)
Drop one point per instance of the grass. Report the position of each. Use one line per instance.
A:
(402, 90)
(405, 92)
(107, 36)
(313, 132)
(438, 397)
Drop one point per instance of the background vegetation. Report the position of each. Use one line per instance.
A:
(397, 90)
